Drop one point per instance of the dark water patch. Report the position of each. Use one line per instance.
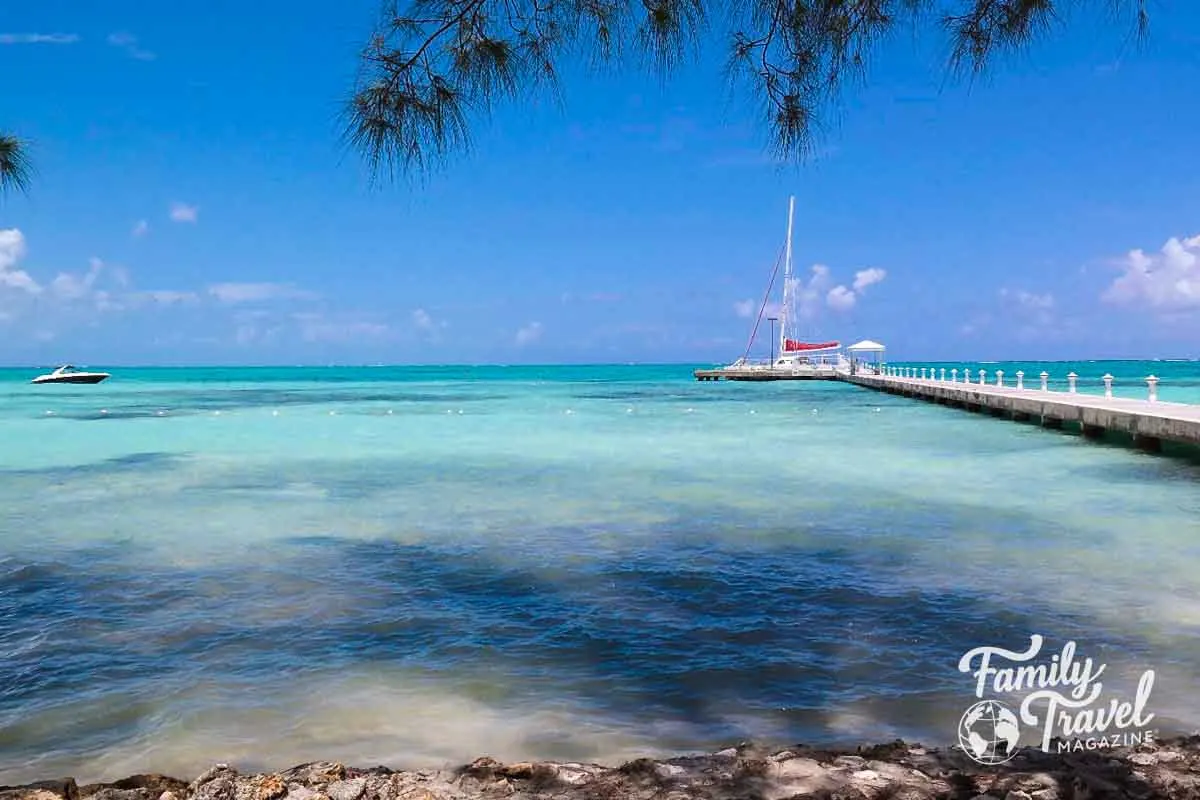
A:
(1135, 470)
(175, 404)
(133, 462)
(662, 630)
(682, 622)
(372, 477)
(631, 394)
(120, 414)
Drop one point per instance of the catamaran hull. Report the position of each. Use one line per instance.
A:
(92, 378)
(782, 377)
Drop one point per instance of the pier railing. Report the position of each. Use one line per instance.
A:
(983, 377)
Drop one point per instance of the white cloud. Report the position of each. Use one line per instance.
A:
(529, 334)
(182, 212)
(1030, 316)
(422, 320)
(867, 277)
(38, 38)
(811, 293)
(12, 250)
(129, 43)
(1165, 281)
(1029, 300)
(167, 297)
(233, 293)
(840, 298)
(140, 229)
(317, 328)
(77, 298)
(71, 286)
(76, 291)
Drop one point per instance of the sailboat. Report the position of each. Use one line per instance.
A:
(797, 358)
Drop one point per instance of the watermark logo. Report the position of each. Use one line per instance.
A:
(1062, 700)
(988, 732)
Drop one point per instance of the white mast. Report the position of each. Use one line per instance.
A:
(787, 281)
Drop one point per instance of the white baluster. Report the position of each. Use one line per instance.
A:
(1071, 378)
(954, 376)
(943, 374)
(999, 377)
(922, 373)
(982, 377)
(1020, 379)
(1108, 379)
(966, 376)
(1045, 376)
(1152, 382)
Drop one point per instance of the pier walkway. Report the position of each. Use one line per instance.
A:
(1150, 422)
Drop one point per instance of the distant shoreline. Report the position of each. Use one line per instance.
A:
(582, 364)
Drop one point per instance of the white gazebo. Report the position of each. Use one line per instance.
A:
(866, 347)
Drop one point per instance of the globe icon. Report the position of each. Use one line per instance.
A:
(988, 732)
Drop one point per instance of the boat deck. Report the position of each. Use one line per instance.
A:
(759, 373)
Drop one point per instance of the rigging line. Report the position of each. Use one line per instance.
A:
(766, 297)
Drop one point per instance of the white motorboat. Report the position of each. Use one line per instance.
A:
(68, 374)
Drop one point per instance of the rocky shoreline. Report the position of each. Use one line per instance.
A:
(896, 771)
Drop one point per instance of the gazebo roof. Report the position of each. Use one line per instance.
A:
(867, 346)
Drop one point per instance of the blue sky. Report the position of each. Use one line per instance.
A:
(194, 203)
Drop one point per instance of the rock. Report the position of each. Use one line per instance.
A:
(894, 771)
(315, 773)
(61, 789)
(209, 774)
(669, 771)
(344, 790)
(799, 768)
(572, 775)
(522, 770)
(54, 791)
(152, 786)
(222, 787)
(109, 793)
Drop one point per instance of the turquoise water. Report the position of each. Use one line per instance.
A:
(415, 566)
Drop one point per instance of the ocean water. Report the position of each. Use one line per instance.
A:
(418, 566)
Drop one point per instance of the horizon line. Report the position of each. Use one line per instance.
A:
(461, 365)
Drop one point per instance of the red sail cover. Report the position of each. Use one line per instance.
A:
(792, 346)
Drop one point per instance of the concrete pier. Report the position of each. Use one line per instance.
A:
(1148, 422)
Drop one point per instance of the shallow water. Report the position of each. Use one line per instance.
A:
(422, 565)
